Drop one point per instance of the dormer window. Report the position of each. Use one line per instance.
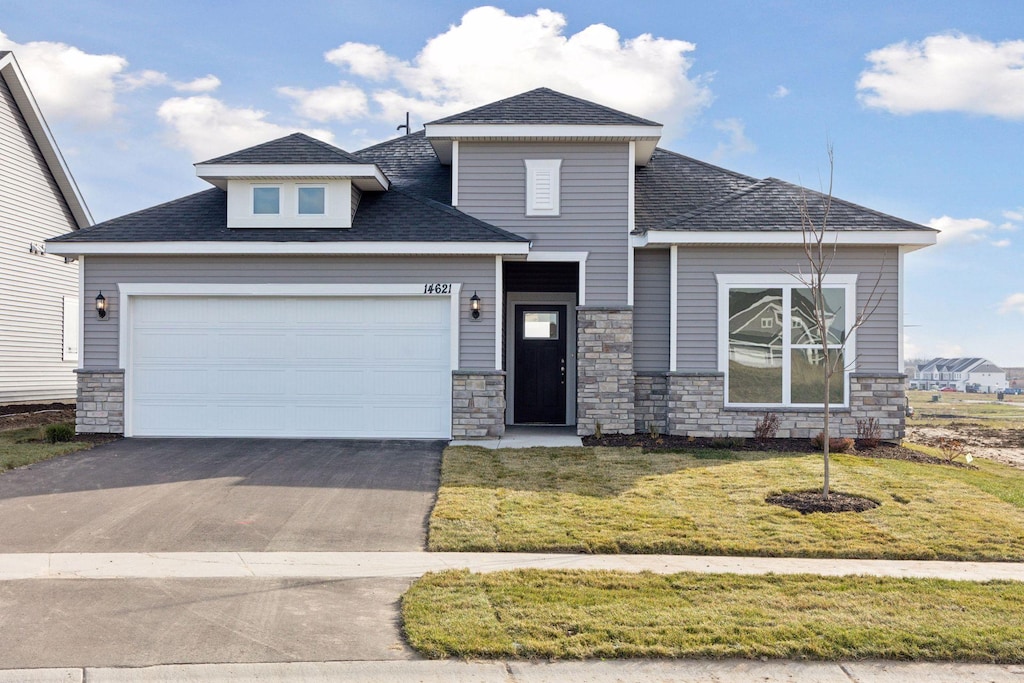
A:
(542, 187)
(312, 201)
(266, 201)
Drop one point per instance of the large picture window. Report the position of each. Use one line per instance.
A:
(770, 345)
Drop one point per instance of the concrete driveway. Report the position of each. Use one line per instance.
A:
(159, 495)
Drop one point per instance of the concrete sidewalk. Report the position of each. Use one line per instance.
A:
(663, 671)
(389, 565)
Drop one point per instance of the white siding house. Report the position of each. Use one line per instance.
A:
(39, 321)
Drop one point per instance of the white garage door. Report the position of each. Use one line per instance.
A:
(290, 367)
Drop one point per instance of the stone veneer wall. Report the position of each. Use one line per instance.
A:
(651, 402)
(100, 402)
(604, 370)
(478, 404)
(696, 408)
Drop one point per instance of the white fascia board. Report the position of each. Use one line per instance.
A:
(558, 256)
(15, 79)
(285, 248)
(910, 239)
(211, 172)
(441, 135)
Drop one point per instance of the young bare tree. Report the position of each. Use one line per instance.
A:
(820, 249)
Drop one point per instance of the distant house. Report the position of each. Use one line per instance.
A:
(39, 319)
(960, 373)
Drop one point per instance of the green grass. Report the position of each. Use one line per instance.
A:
(20, 447)
(578, 614)
(620, 500)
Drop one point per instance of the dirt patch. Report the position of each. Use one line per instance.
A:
(886, 450)
(1002, 445)
(806, 502)
(35, 415)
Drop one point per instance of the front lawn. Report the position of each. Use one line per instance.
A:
(20, 447)
(621, 500)
(589, 614)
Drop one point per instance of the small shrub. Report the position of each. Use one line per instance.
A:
(597, 430)
(652, 430)
(869, 433)
(837, 444)
(952, 449)
(60, 432)
(766, 428)
(728, 442)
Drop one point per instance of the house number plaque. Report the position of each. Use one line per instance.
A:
(437, 288)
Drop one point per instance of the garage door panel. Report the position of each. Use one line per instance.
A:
(292, 367)
(331, 346)
(153, 343)
(171, 382)
(245, 382)
(253, 345)
(337, 384)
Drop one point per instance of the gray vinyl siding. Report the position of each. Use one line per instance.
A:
(594, 199)
(651, 310)
(357, 194)
(32, 287)
(476, 273)
(877, 340)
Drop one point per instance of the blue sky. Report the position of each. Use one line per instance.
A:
(922, 101)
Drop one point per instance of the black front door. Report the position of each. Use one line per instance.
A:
(540, 364)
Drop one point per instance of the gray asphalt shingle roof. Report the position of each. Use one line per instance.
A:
(545, 106)
(297, 148)
(393, 216)
(410, 163)
(773, 204)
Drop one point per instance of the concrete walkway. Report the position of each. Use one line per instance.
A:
(362, 565)
(664, 671)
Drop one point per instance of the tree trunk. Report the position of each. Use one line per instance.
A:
(827, 440)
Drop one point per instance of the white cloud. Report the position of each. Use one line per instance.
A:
(1009, 227)
(69, 83)
(949, 72)
(960, 229)
(342, 102)
(490, 55)
(780, 92)
(737, 142)
(207, 83)
(207, 127)
(1001, 244)
(1017, 215)
(141, 79)
(1013, 304)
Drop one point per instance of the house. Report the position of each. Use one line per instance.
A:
(961, 374)
(537, 260)
(39, 336)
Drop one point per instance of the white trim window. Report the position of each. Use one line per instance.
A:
(266, 200)
(543, 186)
(311, 200)
(770, 345)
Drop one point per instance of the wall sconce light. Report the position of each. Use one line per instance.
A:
(101, 306)
(474, 305)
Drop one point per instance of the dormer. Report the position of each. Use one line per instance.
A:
(292, 182)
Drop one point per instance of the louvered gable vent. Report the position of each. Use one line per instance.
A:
(542, 187)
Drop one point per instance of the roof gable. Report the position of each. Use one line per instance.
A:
(13, 77)
(297, 148)
(544, 106)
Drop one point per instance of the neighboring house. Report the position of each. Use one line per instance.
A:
(538, 260)
(960, 373)
(39, 319)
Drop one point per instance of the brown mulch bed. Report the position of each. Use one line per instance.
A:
(21, 415)
(806, 502)
(665, 442)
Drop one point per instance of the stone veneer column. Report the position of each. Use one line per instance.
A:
(100, 403)
(478, 404)
(883, 397)
(651, 401)
(605, 391)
